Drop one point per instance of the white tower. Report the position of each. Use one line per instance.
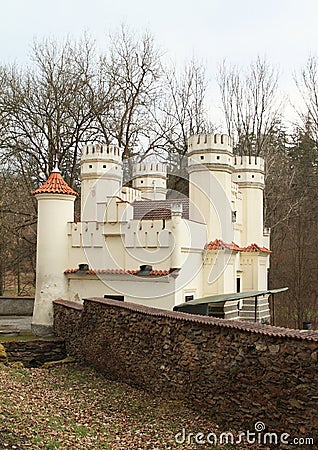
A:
(101, 177)
(151, 180)
(249, 175)
(210, 168)
(55, 209)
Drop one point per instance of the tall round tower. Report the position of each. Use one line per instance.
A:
(210, 168)
(151, 180)
(101, 177)
(55, 209)
(249, 175)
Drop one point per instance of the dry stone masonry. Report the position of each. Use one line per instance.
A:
(33, 353)
(238, 372)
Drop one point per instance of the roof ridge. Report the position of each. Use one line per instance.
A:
(153, 272)
(219, 244)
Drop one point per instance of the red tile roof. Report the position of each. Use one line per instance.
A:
(256, 248)
(218, 244)
(117, 271)
(158, 209)
(55, 185)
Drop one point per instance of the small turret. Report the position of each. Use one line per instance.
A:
(215, 151)
(55, 209)
(249, 176)
(210, 168)
(249, 171)
(215, 142)
(101, 177)
(151, 180)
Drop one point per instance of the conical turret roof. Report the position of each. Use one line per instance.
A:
(55, 185)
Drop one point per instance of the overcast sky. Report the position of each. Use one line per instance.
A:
(284, 31)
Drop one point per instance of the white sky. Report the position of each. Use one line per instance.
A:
(284, 31)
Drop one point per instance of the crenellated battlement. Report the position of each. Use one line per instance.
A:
(248, 163)
(249, 171)
(149, 169)
(210, 142)
(100, 151)
(151, 179)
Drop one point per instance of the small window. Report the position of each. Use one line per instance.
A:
(239, 176)
(238, 284)
(202, 156)
(188, 298)
(104, 166)
(119, 298)
(218, 157)
(141, 181)
(90, 166)
(252, 176)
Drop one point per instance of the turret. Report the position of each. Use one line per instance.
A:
(55, 209)
(151, 180)
(210, 168)
(249, 176)
(101, 177)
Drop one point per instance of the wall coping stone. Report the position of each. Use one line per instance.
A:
(238, 325)
(69, 304)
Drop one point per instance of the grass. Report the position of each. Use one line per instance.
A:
(21, 337)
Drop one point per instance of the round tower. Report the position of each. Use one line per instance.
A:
(151, 180)
(249, 176)
(210, 168)
(101, 177)
(55, 209)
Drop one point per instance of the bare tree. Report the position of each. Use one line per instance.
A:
(250, 103)
(184, 106)
(307, 84)
(46, 107)
(125, 90)
(18, 234)
(181, 112)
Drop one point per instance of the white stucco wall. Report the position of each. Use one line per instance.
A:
(157, 292)
(54, 213)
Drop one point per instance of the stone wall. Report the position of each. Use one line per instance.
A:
(33, 353)
(16, 306)
(238, 372)
(67, 317)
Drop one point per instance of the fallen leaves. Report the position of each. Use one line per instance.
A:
(74, 407)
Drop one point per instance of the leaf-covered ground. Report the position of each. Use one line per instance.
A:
(74, 407)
